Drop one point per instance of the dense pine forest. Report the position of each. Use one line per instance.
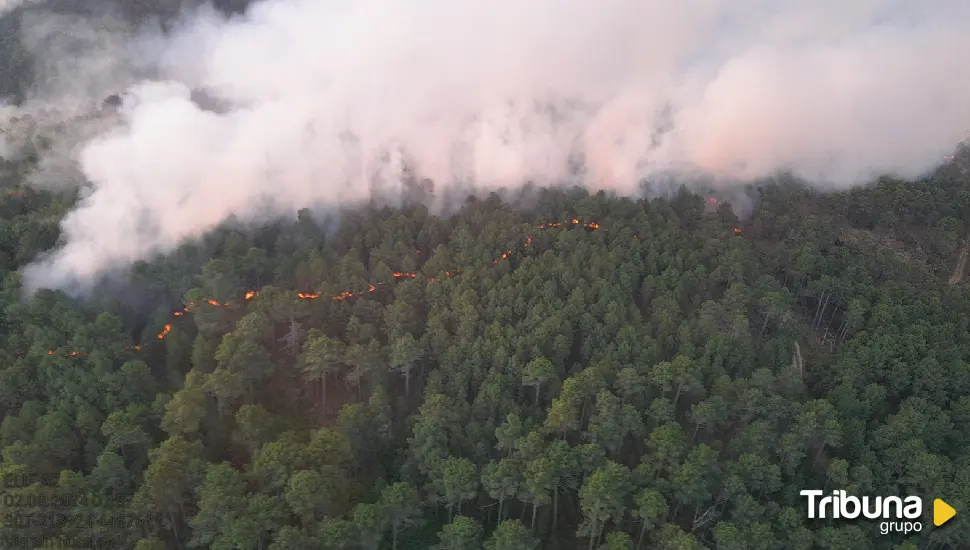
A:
(587, 372)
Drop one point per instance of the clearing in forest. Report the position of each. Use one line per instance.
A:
(957, 276)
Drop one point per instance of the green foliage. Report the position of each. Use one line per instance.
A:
(656, 383)
(511, 535)
(463, 533)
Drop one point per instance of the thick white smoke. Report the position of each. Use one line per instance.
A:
(323, 98)
(8, 5)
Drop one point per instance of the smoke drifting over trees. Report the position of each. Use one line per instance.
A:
(324, 101)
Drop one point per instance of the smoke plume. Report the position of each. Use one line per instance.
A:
(8, 5)
(326, 101)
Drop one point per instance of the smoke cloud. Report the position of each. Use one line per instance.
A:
(8, 5)
(326, 101)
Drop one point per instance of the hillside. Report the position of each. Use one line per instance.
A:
(593, 371)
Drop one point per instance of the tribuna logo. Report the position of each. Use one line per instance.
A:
(839, 505)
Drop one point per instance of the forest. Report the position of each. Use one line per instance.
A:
(587, 371)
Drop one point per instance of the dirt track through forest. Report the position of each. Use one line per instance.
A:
(958, 271)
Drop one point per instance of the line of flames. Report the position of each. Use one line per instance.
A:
(249, 295)
(346, 295)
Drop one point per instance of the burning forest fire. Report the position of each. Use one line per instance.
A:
(346, 295)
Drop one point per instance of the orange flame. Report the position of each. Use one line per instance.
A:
(65, 355)
(347, 294)
(738, 231)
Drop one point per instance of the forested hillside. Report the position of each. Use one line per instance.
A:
(590, 372)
